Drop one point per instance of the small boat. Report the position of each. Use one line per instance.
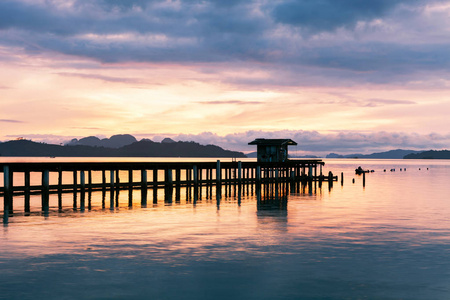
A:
(359, 171)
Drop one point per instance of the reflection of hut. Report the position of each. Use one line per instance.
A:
(272, 150)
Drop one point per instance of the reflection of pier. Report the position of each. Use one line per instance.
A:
(62, 177)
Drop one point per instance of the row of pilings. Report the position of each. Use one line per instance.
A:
(171, 177)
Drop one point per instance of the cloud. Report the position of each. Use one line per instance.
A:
(381, 102)
(306, 42)
(315, 143)
(328, 15)
(104, 78)
(11, 121)
(234, 102)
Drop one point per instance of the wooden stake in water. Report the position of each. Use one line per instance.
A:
(364, 179)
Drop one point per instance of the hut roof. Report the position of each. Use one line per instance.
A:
(273, 142)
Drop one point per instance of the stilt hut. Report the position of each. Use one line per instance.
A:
(272, 150)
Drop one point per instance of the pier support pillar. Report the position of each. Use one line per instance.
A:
(195, 174)
(45, 190)
(27, 191)
(8, 193)
(130, 187)
(168, 185)
(218, 181)
(239, 172)
(218, 172)
(144, 187)
(90, 180)
(104, 179)
(75, 181)
(82, 180)
(83, 187)
(111, 180)
(155, 185)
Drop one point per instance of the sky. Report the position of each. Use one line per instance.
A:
(343, 76)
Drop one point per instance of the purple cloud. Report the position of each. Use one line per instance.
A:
(297, 39)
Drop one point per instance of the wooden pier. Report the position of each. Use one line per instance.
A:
(170, 176)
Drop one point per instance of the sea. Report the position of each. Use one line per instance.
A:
(386, 239)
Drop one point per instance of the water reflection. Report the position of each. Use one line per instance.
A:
(268, 195)
(272, 204)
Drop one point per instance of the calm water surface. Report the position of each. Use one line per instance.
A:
(389, 240)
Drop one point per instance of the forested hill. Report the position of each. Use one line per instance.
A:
(143, 148)
(432, 154)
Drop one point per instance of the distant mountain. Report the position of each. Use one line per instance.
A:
(252, 155)
(392, 154)
(167, 140)
(147, 148)
(303, 156)
(255, 155)
(144, 148)
(432, 154)
(115, 141)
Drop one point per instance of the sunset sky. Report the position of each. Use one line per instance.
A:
(340, 76)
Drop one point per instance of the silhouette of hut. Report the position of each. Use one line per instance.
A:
(272, 150)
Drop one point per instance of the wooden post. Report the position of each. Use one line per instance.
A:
(111, 180)
(169, 178)
(342, 178)
(239, 172)
(178, 177)
(45, 190)
(130, 178)
(258, 174)
(90, 180)
(168, 185)
(218, 182)
(59, 179)
(144, 187)
(111, 183)
(104, 179)
(7, 194)
(27, 191)
(82, 193)
(155, 185)
(330, 179)
(218, 172)
(195, 171)
(117, 179)
(364, 179)
(75, 181)
(82, 180)
(130, 187)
